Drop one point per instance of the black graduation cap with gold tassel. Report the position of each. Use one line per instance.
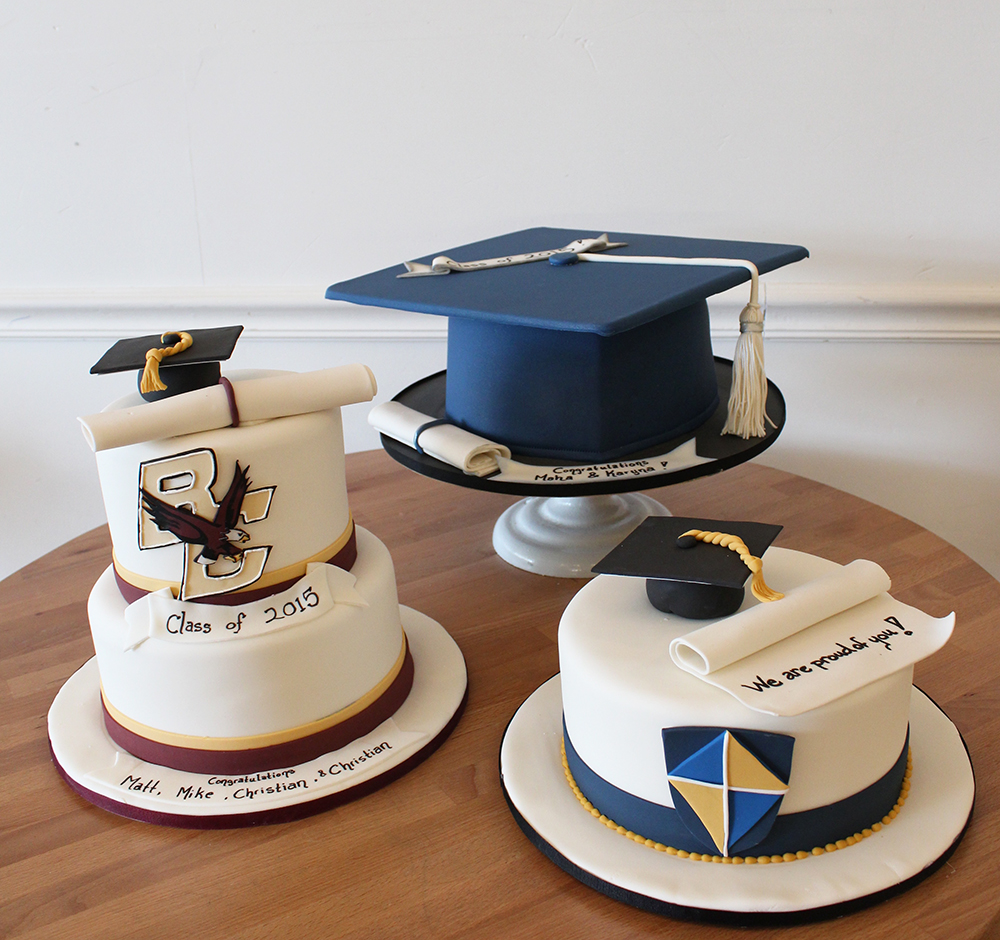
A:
(695, 568)
(173, 362)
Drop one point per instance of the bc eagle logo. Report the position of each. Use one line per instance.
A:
(176, 504)
(219, 537)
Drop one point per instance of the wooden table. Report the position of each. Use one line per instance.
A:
(436, 854)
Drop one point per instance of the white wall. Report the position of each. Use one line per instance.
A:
(225, 162)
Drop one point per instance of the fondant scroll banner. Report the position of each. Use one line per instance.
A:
(823, 640)
(158, 616)
(206, 409)
(476, 455)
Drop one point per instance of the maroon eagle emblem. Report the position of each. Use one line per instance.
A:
(219, 537)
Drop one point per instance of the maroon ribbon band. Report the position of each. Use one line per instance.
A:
(287, 754)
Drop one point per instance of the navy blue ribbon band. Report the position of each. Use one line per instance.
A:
(424, 427)
(793, 832)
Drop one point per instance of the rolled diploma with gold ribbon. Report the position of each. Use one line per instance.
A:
(453, 445)
(731, 639)
(206, 409)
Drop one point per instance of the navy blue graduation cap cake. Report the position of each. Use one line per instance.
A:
(579, 361)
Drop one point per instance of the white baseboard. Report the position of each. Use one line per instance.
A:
(887, 312)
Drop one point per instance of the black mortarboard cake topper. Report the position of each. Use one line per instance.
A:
(688, 575)
(173, 362)
(578, 361)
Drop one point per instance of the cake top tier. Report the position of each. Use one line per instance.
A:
(592, 298)
(229, 491)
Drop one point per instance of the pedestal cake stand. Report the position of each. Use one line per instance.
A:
(573, 514)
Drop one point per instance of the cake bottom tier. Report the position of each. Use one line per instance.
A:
(248, 703)
(626, 867)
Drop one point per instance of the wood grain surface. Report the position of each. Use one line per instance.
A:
(436, 854)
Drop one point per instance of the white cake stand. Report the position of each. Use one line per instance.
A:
(565, 536)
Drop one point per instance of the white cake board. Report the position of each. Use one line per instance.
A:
(103, 773)
(918, 840)
(565, 536)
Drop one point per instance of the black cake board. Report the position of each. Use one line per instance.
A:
(913, 846)
(723, 451)
(111, 778)
(566, 537)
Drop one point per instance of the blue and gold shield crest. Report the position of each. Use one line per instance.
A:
(727, 784)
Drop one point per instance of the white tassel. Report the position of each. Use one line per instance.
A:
(748, 395)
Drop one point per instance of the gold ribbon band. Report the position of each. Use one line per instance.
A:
(250, 742)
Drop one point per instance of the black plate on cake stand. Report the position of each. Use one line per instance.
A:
(564, 528)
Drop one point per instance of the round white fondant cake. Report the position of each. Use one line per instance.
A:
(642, 736)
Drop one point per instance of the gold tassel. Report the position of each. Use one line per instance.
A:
(735, 544)
(151, 381)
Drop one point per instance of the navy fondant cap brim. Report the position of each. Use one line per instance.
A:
(211, 345)
(651, 551)
(586, 297)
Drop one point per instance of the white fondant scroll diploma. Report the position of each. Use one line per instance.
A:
(824, 639)
(476, 455)
(207, 409)
(454, 445)
(442, 264)
(160, 617)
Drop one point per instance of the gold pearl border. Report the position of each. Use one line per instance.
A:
(904, 791)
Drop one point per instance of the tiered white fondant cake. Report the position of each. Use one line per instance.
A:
(253, 662)
(245, 622)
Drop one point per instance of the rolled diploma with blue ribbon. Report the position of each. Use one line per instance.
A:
(724, 642)
(453, 445)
